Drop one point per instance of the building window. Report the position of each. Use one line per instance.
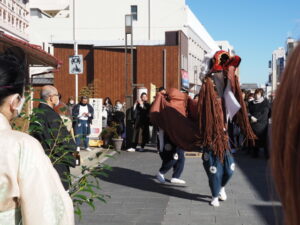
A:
(134, 12)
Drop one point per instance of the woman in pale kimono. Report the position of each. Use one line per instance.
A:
(31, 192)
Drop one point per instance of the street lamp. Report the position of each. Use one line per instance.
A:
(128, 30)
(128, 24)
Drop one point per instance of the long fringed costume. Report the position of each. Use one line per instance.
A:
(220, 99)
(205, 126)
(211, 106)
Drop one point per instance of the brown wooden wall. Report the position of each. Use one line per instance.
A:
(65, 82)
(36, 94)
(150, 67)
(109, 73)
(105, 69)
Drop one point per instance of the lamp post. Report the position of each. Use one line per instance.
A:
(128, 30)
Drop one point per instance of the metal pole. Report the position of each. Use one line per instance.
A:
(165, 68)
(149, 21)
(75, 52)
(126, 77)
(132, 81)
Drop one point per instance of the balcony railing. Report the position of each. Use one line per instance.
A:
(14, 13)
(13, 30)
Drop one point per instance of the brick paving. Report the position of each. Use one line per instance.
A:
(138, 199)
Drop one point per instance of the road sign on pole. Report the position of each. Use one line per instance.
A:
(76, 64)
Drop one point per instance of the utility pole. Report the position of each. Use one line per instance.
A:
(149, 20)
(75, 52)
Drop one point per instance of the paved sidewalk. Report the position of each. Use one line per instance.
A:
(138, 199)
(91, 158)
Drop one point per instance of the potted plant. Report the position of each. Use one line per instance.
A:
(117, 139)
(107, 134)
(111, 135)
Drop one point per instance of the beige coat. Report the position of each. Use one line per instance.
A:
(31, 192)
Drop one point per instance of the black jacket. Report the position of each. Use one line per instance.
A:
(48, 128)
(75, 113)
(141, 115)
(261, 112)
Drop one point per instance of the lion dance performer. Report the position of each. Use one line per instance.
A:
(220, 100)
(201, 125)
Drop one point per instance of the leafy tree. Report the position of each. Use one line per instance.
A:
(84, 189)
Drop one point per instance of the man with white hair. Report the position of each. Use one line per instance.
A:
(50, 130)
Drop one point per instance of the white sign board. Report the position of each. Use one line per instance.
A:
(96, 126)
(76, 64)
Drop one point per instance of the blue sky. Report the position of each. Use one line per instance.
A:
(254, 27)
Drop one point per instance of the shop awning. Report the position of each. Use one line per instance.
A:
(35, 54)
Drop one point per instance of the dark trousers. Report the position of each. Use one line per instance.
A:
(176, 162)
(261, 142)
(64, 174)
(140, 132)
(218, 173)
(82, 131)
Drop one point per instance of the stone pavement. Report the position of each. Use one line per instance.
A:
(138, 199)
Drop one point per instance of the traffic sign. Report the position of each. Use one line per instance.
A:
(76, 64)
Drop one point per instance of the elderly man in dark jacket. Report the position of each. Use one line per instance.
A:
(49, 129)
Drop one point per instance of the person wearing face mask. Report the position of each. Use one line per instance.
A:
(54, 134)
(31, 192)
(83, 114)
(70, 105)
(118, 106)
(107, 112)
(258, 115)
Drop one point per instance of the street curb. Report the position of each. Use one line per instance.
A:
(92, 163)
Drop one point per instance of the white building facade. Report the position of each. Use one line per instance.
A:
(279, 59)
(290, 46)
(14, 15)
(226, 46)
(102, 20)
(277, 65)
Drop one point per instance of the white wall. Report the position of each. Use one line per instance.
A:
(49, 5)
(102, 20)
(164, 16)
(200, 44)
(95, 22)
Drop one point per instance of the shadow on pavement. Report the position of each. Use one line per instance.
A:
(271, 214)
(145, 182)
(257, 171)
